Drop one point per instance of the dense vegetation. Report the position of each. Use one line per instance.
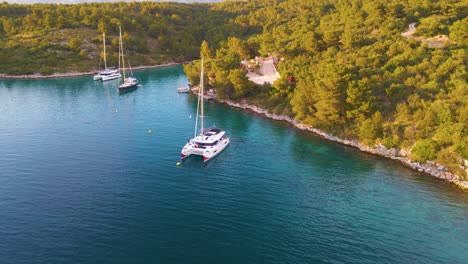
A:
(355, 75)
(48, 38)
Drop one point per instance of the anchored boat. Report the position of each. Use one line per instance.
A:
(109, 73)
(209, 142)
(129, 82)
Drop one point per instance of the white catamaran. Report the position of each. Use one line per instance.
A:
(109, 73)
(210, 141)
(129, 82)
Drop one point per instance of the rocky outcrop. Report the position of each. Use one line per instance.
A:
(430, 167)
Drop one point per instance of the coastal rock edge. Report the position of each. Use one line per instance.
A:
(430, 167)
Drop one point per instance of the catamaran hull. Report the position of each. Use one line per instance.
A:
(211, 153)
(207, 153)
(112, 77)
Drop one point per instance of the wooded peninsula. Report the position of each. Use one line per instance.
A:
(347, 67)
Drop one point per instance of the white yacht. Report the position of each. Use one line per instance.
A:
(109, 73)
(209, 142)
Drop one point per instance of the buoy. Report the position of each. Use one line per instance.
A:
(178, 163)
(116, 110)
(190, 116)
(150, 132)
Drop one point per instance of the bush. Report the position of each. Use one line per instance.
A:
(452, 161)
(75, 44)
(391, 141)
(371, 128)
(462, 147)
(424, 150)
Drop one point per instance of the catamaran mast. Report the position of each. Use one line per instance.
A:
(104, 40)
(201, 97)
(198, 103)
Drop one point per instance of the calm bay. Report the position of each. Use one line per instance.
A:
(82, 181)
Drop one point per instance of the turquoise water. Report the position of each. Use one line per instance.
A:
(82, 181)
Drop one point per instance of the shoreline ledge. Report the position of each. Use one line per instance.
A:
(38, 76)
(431, 168)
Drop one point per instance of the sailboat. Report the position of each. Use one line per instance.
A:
(109, 73)
(209, 142)
(129, 82)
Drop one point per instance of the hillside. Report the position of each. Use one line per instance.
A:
(355, 75)
(51, 38)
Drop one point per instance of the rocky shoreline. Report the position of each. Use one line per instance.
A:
(76, 74)
(431, 168)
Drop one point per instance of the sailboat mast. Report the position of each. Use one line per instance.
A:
(104, 41)
(121, 53)
(201, 97)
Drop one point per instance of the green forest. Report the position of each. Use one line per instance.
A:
(345, 66)
(50, 38)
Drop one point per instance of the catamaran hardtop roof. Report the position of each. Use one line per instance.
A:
(211, 131)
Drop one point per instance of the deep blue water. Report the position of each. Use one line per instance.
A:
(82, 181)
